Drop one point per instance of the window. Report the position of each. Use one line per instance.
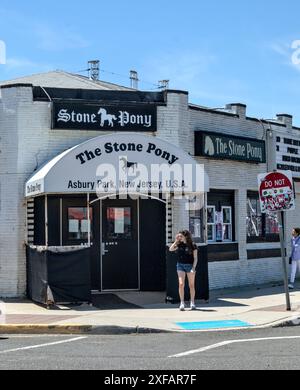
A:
(293, 151)
(119, 223)
(211, 223)
(260, 227)
(79, 224)
(254, 218)
(219, 224)
(227, 224)
(221, 216)
(196, 219)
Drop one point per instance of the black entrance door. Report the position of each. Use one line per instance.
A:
(120, 248)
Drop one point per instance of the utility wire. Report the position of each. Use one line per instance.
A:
(157, 86)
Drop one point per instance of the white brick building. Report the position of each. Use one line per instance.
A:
(27, 141)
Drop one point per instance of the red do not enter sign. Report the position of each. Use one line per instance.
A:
(276, 192)
(276, 180)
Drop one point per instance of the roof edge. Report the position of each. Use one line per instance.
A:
(17, 85)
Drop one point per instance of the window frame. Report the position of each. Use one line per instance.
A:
(264, 237)
(71, 203)
(202, 216)
(227, 224)
(223, 224)
(212, 224)
(79, 240)
(120, 236)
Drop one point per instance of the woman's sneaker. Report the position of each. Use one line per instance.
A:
(291, 286)
(182, 307)
(193, 306)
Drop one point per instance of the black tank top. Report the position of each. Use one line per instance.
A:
(185, 254)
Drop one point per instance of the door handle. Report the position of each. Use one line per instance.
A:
(104, 251)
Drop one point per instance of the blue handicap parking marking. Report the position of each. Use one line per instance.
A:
(213, 325)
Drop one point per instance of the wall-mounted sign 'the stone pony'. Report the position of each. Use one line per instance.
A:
(229, 147)
(98, 117)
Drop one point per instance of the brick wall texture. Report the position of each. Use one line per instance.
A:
(27, 142)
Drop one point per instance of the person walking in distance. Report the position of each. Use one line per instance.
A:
(295, 256)
(187, 263)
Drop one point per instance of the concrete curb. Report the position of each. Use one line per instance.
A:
(77, 329)
(107, 330)
(43, 329)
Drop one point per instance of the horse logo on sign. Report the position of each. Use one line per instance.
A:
(105, 117)
(209, 147)
(128, 165)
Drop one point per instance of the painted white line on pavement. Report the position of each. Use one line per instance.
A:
(43, 345)
(222, 344)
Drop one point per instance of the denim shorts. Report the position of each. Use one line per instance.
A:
(187, 268)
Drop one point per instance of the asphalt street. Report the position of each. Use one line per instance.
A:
(264, 349)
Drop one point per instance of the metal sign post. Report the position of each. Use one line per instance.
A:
(283, 255)
(276, 191)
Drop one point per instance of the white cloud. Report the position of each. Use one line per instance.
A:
(196, 72)
(20, 63)
(17, 64)
(58, 39)
(183, 69)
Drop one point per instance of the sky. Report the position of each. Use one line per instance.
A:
(222, 52)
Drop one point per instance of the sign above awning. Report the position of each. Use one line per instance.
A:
(104, 116)
(120, 163)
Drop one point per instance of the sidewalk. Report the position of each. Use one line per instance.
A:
(262, 306)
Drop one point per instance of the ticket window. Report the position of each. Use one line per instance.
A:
(77, 223)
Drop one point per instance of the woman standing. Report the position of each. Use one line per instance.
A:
(295, 256)
(187, 262)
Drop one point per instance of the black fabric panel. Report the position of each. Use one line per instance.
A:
(202, 277)
(54, 221)
(69, 276)
(153, 243)
(98, 95)
(37, 276)
(263, 253)
(39, 221)
(223, 252)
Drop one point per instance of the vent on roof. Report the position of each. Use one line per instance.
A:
(94, 70)
(134, 79)
(163, 84)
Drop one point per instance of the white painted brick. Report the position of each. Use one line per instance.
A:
(27, 142)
